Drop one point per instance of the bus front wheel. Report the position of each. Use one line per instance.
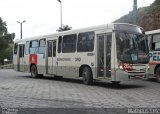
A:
(34, 72)
(158, 74)
(87, 76)
(115, 82)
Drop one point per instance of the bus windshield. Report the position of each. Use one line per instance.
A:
(131, 47)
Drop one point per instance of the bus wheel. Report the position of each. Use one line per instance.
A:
(34, 72)
(158, 74)
(115, 82)
(87, 76)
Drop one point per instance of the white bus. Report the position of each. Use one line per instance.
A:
(154, 53)
(114, 52)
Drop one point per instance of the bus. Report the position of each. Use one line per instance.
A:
(113, 52)
(153, 37)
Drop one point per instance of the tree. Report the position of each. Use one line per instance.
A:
(64, 28)
(6, 42)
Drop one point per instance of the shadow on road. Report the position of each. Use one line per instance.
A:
(118, 86)
(98, 84)
(152, 80)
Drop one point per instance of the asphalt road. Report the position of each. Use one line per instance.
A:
(19, 93)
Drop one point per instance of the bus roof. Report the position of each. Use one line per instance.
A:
(99, 27)
(152, 32)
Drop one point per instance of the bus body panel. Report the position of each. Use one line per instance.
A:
(26, 63)
(152, 69)
(41, 64)
(69, 64)
(154, 61)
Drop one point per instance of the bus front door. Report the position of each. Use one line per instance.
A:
(104, 55)
(21, 58)
(51, 62)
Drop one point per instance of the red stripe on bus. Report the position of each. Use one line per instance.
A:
(154, 63)
(33, 59)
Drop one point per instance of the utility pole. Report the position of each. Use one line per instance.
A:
(135, 12)
(21, 26)
(60, 11)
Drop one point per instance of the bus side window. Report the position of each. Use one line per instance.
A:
(150, 42)
(15, 48)
(42, 46)
(153, 46)
(85, 42)
(59, 44)
(33, 47)
(157, 46)
(156, 42)
(69, 43)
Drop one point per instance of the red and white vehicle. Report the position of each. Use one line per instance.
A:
(154, 53)
(114, 52)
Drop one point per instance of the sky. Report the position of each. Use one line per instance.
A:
(43, 16)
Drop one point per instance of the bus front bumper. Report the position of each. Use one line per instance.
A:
(127, 76)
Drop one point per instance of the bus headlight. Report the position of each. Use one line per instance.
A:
(121, 67)
(125, 66)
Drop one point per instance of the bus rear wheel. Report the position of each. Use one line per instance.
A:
(158, 74)
(87, 76)
(34, 72)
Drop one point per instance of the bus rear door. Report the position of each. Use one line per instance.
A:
(51, 57)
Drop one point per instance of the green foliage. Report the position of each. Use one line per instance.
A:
(8, 52)
(6, 42)
(126, 18)
(155, 6)
(64, 28)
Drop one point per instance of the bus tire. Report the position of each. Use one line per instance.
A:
(158, 74)
(115, 82)
(87, 76)
(40, 75)
(34, 72)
